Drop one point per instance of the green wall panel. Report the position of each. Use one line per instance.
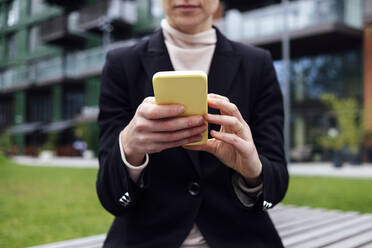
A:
(92, 91)
(20, 107)
(57, 102)
(20, 118)
(2, 15)
(2, 49)
(21, 41)
(24, 7)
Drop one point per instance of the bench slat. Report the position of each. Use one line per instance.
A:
(318, 232)
(301, 227)
(337, 236)
(326, 221)
(369, 245)
(92, 240)
(356, 241)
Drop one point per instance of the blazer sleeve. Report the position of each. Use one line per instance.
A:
(267, 129)
(116, 191)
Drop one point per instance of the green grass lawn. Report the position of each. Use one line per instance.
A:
(41, 205)
(332, 193)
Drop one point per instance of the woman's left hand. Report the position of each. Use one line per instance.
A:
(233, 145)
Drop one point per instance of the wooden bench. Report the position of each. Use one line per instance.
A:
(301, 227)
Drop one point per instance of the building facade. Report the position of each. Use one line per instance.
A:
(52, 53)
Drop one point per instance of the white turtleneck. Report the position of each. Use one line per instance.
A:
(189, 51)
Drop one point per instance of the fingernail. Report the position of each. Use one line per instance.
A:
(181, 108)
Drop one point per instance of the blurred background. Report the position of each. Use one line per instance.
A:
(51, 56)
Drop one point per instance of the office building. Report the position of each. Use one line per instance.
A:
(52, 53)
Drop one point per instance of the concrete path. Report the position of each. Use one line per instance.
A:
(299, 227)
(327, 170)
(295, 169)
(73, 162)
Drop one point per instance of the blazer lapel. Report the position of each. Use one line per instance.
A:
(224, 66)
(157, 59)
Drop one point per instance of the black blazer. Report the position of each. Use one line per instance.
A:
(182, 187)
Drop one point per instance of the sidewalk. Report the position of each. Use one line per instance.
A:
(295, 169)
(328, 170)
(74, 162)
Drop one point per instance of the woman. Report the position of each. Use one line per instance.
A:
(164, 194)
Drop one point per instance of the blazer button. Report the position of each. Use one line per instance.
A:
(194, 188)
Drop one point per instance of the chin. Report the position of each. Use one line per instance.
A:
(187, 22)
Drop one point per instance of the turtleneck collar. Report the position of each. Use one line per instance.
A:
(205, 38)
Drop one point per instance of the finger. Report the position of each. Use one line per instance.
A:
(229, 122)
(210, 146)
(174, 124)
(167, 145)
(177, 135)
(216, 96)
(232, 139)
(226, 108)
(149, 99)
(152, 111)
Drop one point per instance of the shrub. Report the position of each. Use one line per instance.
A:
(350, 124)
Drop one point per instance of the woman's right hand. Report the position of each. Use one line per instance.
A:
(158, 127)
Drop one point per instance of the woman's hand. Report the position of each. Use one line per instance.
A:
(233, 145)
(158, 127)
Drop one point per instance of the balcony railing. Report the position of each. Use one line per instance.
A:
(301, 14)
(14, 78)
(89, 62)
(67, 4)
(83, 63)
(74, 66)
(63, 30)
(49, 70)
(119, 13)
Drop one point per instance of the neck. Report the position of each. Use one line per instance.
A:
(192, 29)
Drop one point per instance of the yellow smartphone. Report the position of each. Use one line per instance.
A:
(188, 88)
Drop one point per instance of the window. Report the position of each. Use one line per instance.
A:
(339, 74)
(11, 46)
(36, 7)
(1, 15)
(13, 12)
(73, 102)
(39, 106)
(6, 113)
(34, 39)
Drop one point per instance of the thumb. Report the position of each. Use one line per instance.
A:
(210, 146)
